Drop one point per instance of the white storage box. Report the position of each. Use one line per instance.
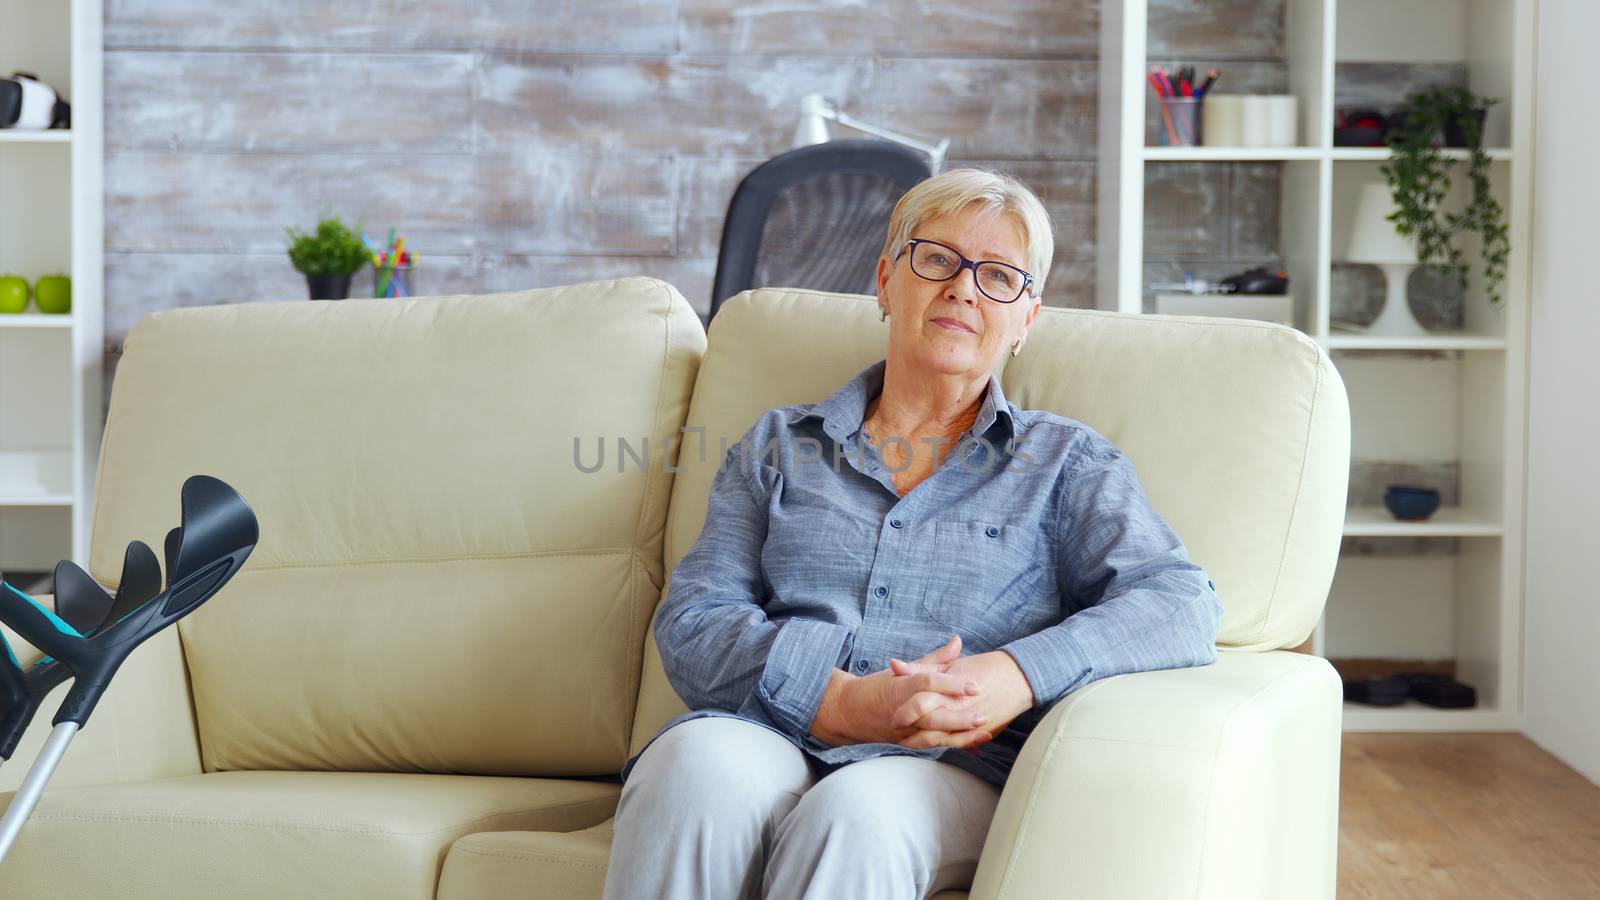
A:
(1266, 307)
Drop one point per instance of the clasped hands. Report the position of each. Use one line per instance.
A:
(941, 700)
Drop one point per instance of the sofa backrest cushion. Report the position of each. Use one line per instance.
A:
(1239, 431)
(438, 586)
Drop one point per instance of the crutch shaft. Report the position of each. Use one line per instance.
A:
(27, 796)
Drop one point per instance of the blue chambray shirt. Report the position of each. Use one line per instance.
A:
(1043, 546)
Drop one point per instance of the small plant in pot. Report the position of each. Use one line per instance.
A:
(328, 258)
(1419, 178)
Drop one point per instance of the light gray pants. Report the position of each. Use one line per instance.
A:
(723, 809)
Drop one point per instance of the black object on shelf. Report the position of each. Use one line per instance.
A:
(1258, 281)
(28, 103)
(1359, 128)
(1441, 691)
(1410, 503)
(1377, 691)
(1450, 136)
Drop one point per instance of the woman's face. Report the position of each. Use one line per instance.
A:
(949, 327)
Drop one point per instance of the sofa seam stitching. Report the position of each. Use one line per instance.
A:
(1032, 799)
(635, 661)
(1211, 783)
(527, 857)
(1294, 512)
(157, 819)
(424, 560)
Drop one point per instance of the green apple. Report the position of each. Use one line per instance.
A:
(13, 294)
(53, 294)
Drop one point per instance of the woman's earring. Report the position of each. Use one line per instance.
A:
(1016, 348)
(883, 314)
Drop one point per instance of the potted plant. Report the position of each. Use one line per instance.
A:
(1419, 178)
(328, 258)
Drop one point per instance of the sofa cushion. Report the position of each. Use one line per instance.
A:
(514, 865)
(517, 865)
(1239, 430)
(437, 582)
(247, 835)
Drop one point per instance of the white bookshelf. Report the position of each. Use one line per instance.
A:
(1464, 391)
(51, 220)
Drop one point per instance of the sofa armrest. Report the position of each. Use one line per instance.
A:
(142, 729)
(1209, 782)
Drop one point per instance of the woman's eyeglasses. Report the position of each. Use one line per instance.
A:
(1000, 282)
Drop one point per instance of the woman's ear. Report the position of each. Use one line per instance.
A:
(1033, 313)
(884, 265)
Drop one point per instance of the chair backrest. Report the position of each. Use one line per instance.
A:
(1239, 431)
(813, 218)
(439, 585)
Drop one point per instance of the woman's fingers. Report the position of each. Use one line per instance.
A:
(946, 719)
(921, 704)
(912, 711)
(933, 662)
(950, 652)
(945, 683)
(965, 740)
(901, 667)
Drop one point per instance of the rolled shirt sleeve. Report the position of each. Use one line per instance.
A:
(1136, 601)
(717, 644)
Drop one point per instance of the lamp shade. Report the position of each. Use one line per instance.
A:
(813, 125)
(1373, 238)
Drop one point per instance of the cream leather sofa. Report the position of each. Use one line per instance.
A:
(419, 683)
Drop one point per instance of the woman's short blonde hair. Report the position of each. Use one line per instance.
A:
(955, 190)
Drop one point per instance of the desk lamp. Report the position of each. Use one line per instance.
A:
(816, 111)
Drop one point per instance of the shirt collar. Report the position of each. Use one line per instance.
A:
(845, 410)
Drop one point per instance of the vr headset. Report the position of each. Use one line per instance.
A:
(26, 102)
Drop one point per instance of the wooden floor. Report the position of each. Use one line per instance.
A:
(1464, 815)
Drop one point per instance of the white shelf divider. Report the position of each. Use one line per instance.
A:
(1379, 154)
(27, 500)
(1442, 340)
(1416, 717)
(1447, 521)
(21, 136)
(35, 320)
(1232, 154)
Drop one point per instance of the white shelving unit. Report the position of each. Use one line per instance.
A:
(1466, 406)
(51, 221)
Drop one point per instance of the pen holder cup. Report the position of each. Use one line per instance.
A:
(1180, 121)
(392, 281)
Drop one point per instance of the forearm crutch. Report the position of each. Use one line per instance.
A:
(216, 537)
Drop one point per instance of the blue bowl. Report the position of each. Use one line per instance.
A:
(1411, 504)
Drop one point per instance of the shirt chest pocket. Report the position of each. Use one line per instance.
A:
(989, 581)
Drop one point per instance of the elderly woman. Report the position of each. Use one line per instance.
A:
(829, 753)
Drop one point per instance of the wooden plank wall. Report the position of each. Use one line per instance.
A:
(523, 143)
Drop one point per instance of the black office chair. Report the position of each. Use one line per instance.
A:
(814, 217)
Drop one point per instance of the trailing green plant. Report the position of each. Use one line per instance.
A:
(333, 249)
(1419, 178)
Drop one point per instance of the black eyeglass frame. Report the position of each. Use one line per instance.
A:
(1027, 279)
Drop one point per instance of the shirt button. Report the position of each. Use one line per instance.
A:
(992, 531)
(861, 665)
(895, 523)
(882, 591)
